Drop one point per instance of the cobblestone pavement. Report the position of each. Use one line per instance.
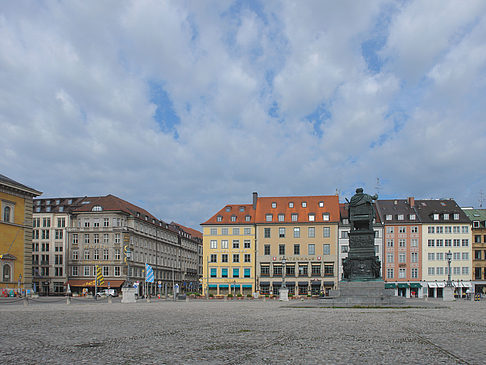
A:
(240, 332)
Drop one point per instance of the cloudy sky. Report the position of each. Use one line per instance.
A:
(182, 107)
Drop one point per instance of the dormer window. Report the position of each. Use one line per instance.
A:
(138, 214)
(321, 204)
(476, 224)
(97, 208)
(242, 209)
(274, 204)
(48, 202)
(325, 216)
(291, 204)
(268, 217)
(456, 216)
(412, 217)
(233, 218)
(228, 209)
(219, 218)
(70, 201)
(446, 216)
(247, 218)
(281, 217)
(304, 204)
(312, 217)
(294, 217)
(436, 217)
(400, 217)
(57, 202)
(388, 217)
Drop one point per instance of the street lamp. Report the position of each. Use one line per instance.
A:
(449, 258)
(284, 272)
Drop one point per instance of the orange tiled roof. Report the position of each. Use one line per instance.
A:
(239, 211)
(194, 233)
(312, 206)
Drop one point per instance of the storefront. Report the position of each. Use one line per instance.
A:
(303, 288)
(85, 287)
(415, 290)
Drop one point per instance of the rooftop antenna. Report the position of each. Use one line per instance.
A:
(481, 199)
(378, 186)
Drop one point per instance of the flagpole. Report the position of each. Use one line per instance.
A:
(96, 281)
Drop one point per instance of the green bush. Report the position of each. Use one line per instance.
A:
(230, 295)
(239, 295)
(248, 295)
(211, 295)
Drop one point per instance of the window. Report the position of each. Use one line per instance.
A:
(414, 273)
(213, 258)
(389, 243)
(303, 270)
(236, 257)
(412, 217)
(456, 216)
(117, 254)
(401, 273)
(457, 229)
(344, 249)
(233, 218)
(236, 231)
(312, 217)
(311, 232)
(106, 222)
(117, 237)
(431, 230)
(448, 243)
(224, 244)
(236, 243)
(213, 231)
(236, 272)
(106, 271)
(414, 242)
(268, 217)
(247, 244)
(326, 232)
(75, 254)
(75, 271)
(290, 270)
(431, 243)
(344, 234)
(388, 217)
(328, 270)
(46, 222)
(224, 257)
(247, 231)
(96, 223)
(436, 217)
(106, 238)
(377, 234)
(277, 270)
(414, 257)
(219, 218)
(315, 269)
(224, 231)
(281, 232)
(465, 270)
(61, 222)
(117, 270)
(446, 216)
(439, 256)
(264, 270)
(400, 217)
(402, 229)
(96, 238)
(304, 204)
(294, 217)
(389, 230)
(247, 218)
(465, 242)
(246, 272)
(86, 270)
(228, 209)
(274, 205)
(321, 204)
(266, 250)
(325, 216)
(402, 258)
(45, 234)
(58, 234)
(291, 204)
(266, 232)
(477, 238)
(311, 249)
(224, 272)
(439, 243)
(389, 257)
(448, 229)
(402, 242)
(439, 229)
(296, 232)
(389, 273)
(106, 254)
(281, 217)
(96, 255)
(296, 249)
(465, 255)
(326, 249)
(247, 257)
(213, 272)
(213, 244)
(281, 249)
(431, 271)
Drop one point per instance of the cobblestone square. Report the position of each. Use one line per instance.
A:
(240, 332)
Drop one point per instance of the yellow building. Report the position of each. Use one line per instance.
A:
(16, 234)
(229, 251)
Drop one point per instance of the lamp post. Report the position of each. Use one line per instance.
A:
(449, 258)
(284, 272)
(20, 281)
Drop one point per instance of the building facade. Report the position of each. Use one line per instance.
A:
(229, 251)
(478, 224)
(445, 228)
(15, 234)
(297, 243)
(402, 257)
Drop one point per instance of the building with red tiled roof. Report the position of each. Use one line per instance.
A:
(301, 229)
(100, 231)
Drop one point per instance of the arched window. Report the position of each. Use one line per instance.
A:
(6, 214)
(6, 273)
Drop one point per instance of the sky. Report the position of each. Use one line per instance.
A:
(182, 107)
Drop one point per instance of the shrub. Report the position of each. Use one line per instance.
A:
(239, 295)
(211, 295)
(230, 295)
(248, 295)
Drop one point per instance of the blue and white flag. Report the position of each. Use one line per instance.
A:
(149, 274)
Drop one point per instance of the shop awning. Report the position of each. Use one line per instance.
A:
(403, 285)
(235, 286)
(247, 285)
(290, 283)
(441, 285)
(264, 283)
(212, 285)
(328, 283)
(432, 285)
(223, 286)
(87, 283)
(457, 284)
(277, 283)
(390, 286)
(315, 283)
(303, 283)
(415, 285)
(466, 284)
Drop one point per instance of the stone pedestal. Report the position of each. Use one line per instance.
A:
(362, 262)
(448, 294)
(370, 292)
(284, 295)
(129, 295)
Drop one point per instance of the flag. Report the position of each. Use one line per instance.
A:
(149, 274)
(100, 280)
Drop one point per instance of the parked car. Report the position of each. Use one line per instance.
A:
(107, 292)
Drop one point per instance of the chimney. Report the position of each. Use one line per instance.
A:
(411, 201)
(255, 198)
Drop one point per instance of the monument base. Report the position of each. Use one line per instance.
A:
(129, 295)
(448, 294)
(371, 292)
(284, 295)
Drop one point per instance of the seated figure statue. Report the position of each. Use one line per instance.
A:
(361, 211)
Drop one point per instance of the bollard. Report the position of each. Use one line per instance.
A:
(110, 299)
(187, 298)
(68, 300)
(26, 303)
(148, 299)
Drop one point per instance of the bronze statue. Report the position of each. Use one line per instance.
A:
(361, 211)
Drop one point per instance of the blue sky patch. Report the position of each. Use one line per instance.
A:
(165, 115)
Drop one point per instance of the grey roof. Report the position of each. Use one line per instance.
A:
(427, 208)
(394, 208)
(57, 205)
(4, 180)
